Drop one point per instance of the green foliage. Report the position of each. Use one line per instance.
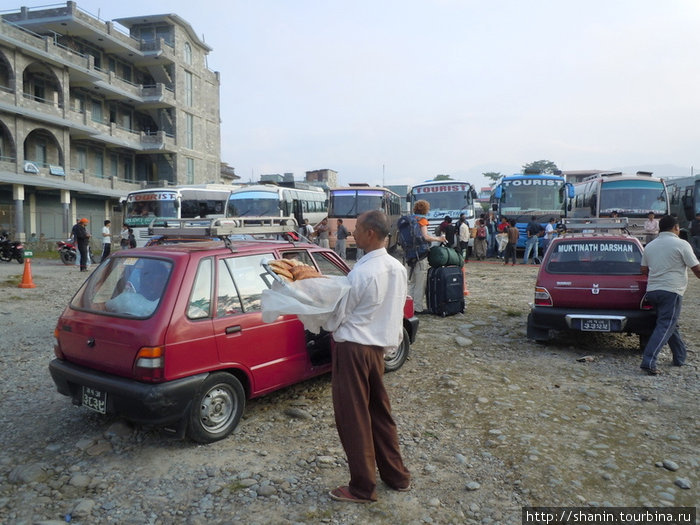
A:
(493, 176)
(442, 177)
(544, 166)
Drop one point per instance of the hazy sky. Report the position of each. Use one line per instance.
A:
(407, 89)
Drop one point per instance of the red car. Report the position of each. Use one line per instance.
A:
(172, 335)
(590, 281)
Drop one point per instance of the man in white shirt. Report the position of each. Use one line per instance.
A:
(665, 261)
(368, 321)
(549, 232)
(106, 240)
(651, 228)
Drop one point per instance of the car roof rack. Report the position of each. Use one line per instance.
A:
(223, 227)
(596, 225)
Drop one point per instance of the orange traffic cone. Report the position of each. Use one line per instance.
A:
(464, 279)
(27, 276)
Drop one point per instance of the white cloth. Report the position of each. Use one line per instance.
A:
(549, 231)
(372, 312)
(106, 235)
(313, 301)
(668, 259)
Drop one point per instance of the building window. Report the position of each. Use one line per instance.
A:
(190, 171)
(188, 89)
(99, 164)
(189, 131)
(81, 159)
(40, 152)
(188, 54)
(128, 174)
(96, 111)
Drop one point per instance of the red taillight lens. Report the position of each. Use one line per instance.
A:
(150, 363)
(542, 297)
(645, 305)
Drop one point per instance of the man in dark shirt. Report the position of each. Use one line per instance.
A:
(533, 238)
(447, 229)
(82, 237)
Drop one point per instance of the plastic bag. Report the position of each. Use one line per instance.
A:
(312, 300)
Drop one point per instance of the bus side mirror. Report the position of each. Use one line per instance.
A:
(498, 192)
(570, 191)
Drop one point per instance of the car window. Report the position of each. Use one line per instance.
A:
(594, 257)
(125, 286)
(250, 279)
(300, 255)
(325, 266)
(199, 305)
(227, 300)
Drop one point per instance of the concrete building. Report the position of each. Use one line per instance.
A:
(324, 178)
(90, 110)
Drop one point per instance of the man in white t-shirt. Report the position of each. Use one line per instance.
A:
(666, 261)
(106, 240)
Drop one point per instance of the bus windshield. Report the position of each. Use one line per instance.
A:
(633, 197)
(141, 208)
(351, 203)
(537, 199)
(254, 204)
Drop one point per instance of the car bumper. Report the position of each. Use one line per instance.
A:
(147, 403)
(631, 321)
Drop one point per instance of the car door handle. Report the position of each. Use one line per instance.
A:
(233, 329)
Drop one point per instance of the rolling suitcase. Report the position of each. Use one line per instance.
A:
(445, 290)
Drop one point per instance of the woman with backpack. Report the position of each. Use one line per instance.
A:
(418, 266)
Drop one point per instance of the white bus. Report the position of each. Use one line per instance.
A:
(631, 196)
(141, 207)
(271, 200)
(446, 197)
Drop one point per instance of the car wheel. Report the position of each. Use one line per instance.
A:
(395, 359)
(217, 408)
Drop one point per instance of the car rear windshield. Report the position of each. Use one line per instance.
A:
(595, 256)
(125, 287)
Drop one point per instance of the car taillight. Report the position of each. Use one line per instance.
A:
(150, 363)
(57, 345)
(645, 305)
(542, 297)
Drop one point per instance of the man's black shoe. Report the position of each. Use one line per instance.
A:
(651, 371)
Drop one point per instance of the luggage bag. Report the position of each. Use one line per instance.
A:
(445, 290)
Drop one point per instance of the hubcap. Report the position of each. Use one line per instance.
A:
(217, 407)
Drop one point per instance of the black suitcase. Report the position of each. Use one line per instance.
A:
(445, 290)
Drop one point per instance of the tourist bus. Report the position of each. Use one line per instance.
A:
(684, 200)
(143, 208)
(631, 196)
(524, 195)
(447, 197)
(272, 200)
(349, 202)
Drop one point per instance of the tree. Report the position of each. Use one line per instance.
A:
(442, 177)
(544, 166)
(493, 175)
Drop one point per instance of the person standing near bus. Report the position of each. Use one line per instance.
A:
(106, 240)
(323, 232)
(651, 228)
(418, 274)
(340, 236)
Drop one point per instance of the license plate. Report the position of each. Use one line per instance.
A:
(595, 325)
(95, 400)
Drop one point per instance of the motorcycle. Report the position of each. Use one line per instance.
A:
(67, 251)
(10, 249)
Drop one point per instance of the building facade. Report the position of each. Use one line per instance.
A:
(90, 110)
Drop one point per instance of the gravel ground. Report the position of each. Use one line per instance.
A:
(488, 423)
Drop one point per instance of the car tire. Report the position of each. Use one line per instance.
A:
(217, 408)
(395, 360)
(535, 333)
